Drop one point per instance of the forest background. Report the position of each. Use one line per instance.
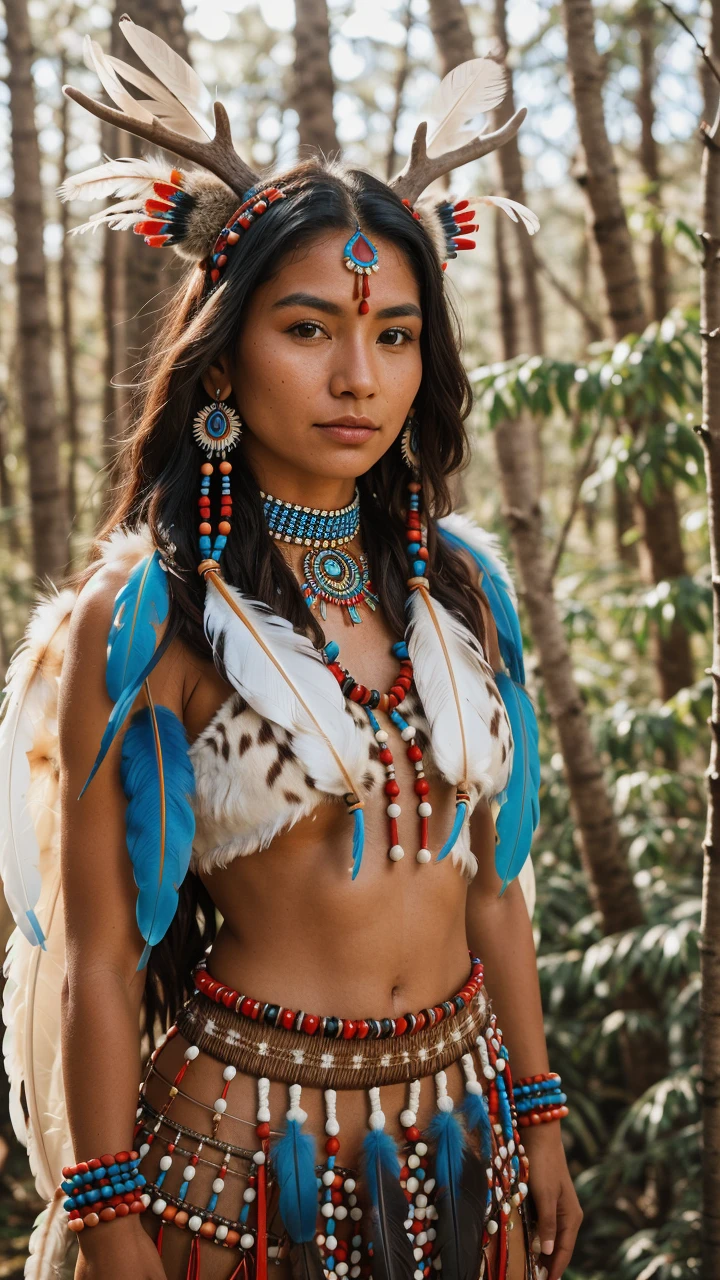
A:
(587, 347)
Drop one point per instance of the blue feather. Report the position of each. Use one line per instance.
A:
(446, 1132)
(293, 1157)
(121, 711)
(141, 607)
(494, 584)
(379, 1150)
(158, 780)
(520, 813)
(358, 840)
(475, 1111)
(460, 812)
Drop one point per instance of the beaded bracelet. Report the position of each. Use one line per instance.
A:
(102, 1189)
(539, 1099)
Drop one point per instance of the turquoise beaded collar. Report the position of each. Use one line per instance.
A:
(311, 526)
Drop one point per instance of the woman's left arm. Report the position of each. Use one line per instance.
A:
(499, 931)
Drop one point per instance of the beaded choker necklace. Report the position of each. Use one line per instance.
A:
(311, 526)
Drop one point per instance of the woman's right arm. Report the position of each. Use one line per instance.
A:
(103, 991)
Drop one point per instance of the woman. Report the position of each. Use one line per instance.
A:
(262, 720)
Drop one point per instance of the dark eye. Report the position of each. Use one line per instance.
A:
(395, 337)
(307, 329)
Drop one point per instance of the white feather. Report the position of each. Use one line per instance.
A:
(24, 708)
(172, 71)
(512, 208)
(110, 217)
(483, 541)
(126, 177)
(52, 1248)
(34, 976)
(453, 680)
(468, 91)
(283, 677)
(161, 103)
(95, 58)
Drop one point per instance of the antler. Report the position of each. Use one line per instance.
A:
(218, 155)
(422, 169)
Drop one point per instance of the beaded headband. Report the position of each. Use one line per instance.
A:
(183, 210)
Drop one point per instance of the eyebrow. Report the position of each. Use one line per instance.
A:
(301, 299)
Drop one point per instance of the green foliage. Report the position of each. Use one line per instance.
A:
(635, 388)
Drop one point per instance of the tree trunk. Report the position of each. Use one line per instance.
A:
(710, 924)
(401, 76)
(644, 22)
(314, 85)
(612, 889)
(512, 183)
(517, 448)
(49, 516)
(453, 36)
(151, 275)
(7, 489)
(72, 430)
(659, 520)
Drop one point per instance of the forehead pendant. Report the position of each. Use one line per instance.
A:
(361, 256)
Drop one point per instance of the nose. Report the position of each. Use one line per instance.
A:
(354, 374)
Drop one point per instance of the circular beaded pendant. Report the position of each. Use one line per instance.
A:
(333, 576)
(217, 428)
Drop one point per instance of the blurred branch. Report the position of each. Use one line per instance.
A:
(581, 475)
(702, 49)
(592, 328)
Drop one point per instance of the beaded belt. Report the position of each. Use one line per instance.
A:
(257, 1041)
(333, 1028)
(322, 1207)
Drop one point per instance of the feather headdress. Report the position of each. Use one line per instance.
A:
(202, 211)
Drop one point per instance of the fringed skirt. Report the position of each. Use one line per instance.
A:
(437, 1183)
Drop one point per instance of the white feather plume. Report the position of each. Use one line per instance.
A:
(483, 541)
(95, 61)
(34, 976)
(176, 76)
(24, 708)
(52, 1249)
(453, 680)
(126, 177)
(518, 212)
(467, 91)
(283, 678)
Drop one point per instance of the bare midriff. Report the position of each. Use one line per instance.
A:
(298, 931)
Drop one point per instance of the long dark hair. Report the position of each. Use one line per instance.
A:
(159, 482)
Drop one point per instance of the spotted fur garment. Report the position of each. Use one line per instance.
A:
(250, 784)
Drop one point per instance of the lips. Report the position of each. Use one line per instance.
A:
(350, 421)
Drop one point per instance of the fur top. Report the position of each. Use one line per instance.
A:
(250, 784)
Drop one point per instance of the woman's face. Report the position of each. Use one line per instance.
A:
(322, 390)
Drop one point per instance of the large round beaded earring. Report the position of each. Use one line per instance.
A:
(217, 429)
